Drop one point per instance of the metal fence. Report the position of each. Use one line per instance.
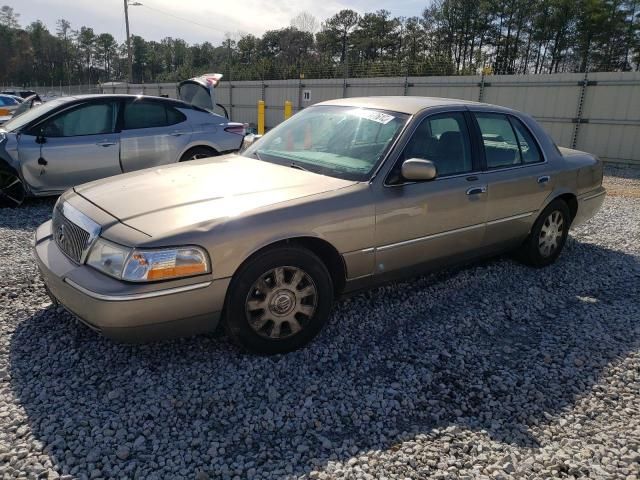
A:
(595, 112)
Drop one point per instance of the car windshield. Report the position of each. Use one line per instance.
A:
(17, 123)
(338, 141)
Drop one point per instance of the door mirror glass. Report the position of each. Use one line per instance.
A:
(418, 169)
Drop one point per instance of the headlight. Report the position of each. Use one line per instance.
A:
(136, 265)
(149, 265)
(108, 257)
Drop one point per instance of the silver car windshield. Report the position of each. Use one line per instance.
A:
(338, 141)
(20, 121)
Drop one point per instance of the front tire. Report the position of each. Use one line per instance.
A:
(12, 191)
(279, 301)
(548, 236)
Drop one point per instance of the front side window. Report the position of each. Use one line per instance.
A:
(443, 139)
(91, 119)
(341, 141)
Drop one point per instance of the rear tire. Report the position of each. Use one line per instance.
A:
(279, 301)
(548, 236)
(12, 191)
(197, 153)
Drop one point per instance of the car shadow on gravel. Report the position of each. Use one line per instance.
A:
(497, 347)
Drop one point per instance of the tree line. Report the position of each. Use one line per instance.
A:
(450, 37)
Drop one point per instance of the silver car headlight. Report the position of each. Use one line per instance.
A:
(141, 265)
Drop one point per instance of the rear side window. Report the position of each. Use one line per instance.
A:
(174, 116)
(144, 115)
(507, 142)
(528, 146)
(150, 115)
(500, 144)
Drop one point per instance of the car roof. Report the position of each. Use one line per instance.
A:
(94, 96)
(410, 105)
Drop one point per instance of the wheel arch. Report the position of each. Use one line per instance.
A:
(196, 144)
(569, 197)
(324, 250)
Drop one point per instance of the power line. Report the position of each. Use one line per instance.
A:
(209, 27)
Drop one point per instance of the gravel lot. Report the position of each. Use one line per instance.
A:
(491, 371)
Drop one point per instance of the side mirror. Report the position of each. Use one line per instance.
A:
(418, 169)
(249, 140)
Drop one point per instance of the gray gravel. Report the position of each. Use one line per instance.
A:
(493, 371)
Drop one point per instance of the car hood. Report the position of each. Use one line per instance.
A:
(163, 200)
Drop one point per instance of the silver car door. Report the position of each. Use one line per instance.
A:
(153, 133)
(73, 147)
(518, 178)
(420, 222)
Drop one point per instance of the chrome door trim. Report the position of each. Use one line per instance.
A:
(428, 237)
(137, 296)
(508, 219)
(593, 196)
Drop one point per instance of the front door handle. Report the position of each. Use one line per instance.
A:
(105, 144)
(544, 179)
(477, 190)
(177, 133)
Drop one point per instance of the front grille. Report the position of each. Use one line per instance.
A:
(70, 238)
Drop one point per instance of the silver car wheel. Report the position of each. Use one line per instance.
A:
(280, 302)
(11, 189)
(197, 156)
(551, 233)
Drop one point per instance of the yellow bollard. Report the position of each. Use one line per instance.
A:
(288, 109)
(261, 117)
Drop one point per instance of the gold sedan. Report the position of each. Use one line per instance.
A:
(345, 195)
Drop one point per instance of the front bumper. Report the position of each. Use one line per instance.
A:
(131, 313)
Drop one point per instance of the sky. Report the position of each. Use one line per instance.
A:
(204, 20)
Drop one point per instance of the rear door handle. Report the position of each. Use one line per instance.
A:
(544, 179)
(477, 190)
(177, 133)
(105, 144)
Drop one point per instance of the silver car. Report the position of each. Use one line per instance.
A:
(74, 140)
(345, 195)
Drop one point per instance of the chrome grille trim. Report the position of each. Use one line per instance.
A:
(73, 231)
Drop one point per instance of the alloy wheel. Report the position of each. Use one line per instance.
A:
(551, 233)
(281, 302)
(11, 189)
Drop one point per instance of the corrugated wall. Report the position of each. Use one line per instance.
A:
(598, 113)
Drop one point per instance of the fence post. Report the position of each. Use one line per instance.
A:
(230, 99)
(288, 108)
(406, 81)
(481, 94)
(261, 117)
(578, 120)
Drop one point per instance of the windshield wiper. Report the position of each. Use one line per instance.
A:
(298, 167)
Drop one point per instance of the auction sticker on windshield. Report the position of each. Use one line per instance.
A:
(372, 115)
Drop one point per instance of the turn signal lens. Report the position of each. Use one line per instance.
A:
(150, 265)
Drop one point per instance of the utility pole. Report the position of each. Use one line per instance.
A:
(126, 21)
